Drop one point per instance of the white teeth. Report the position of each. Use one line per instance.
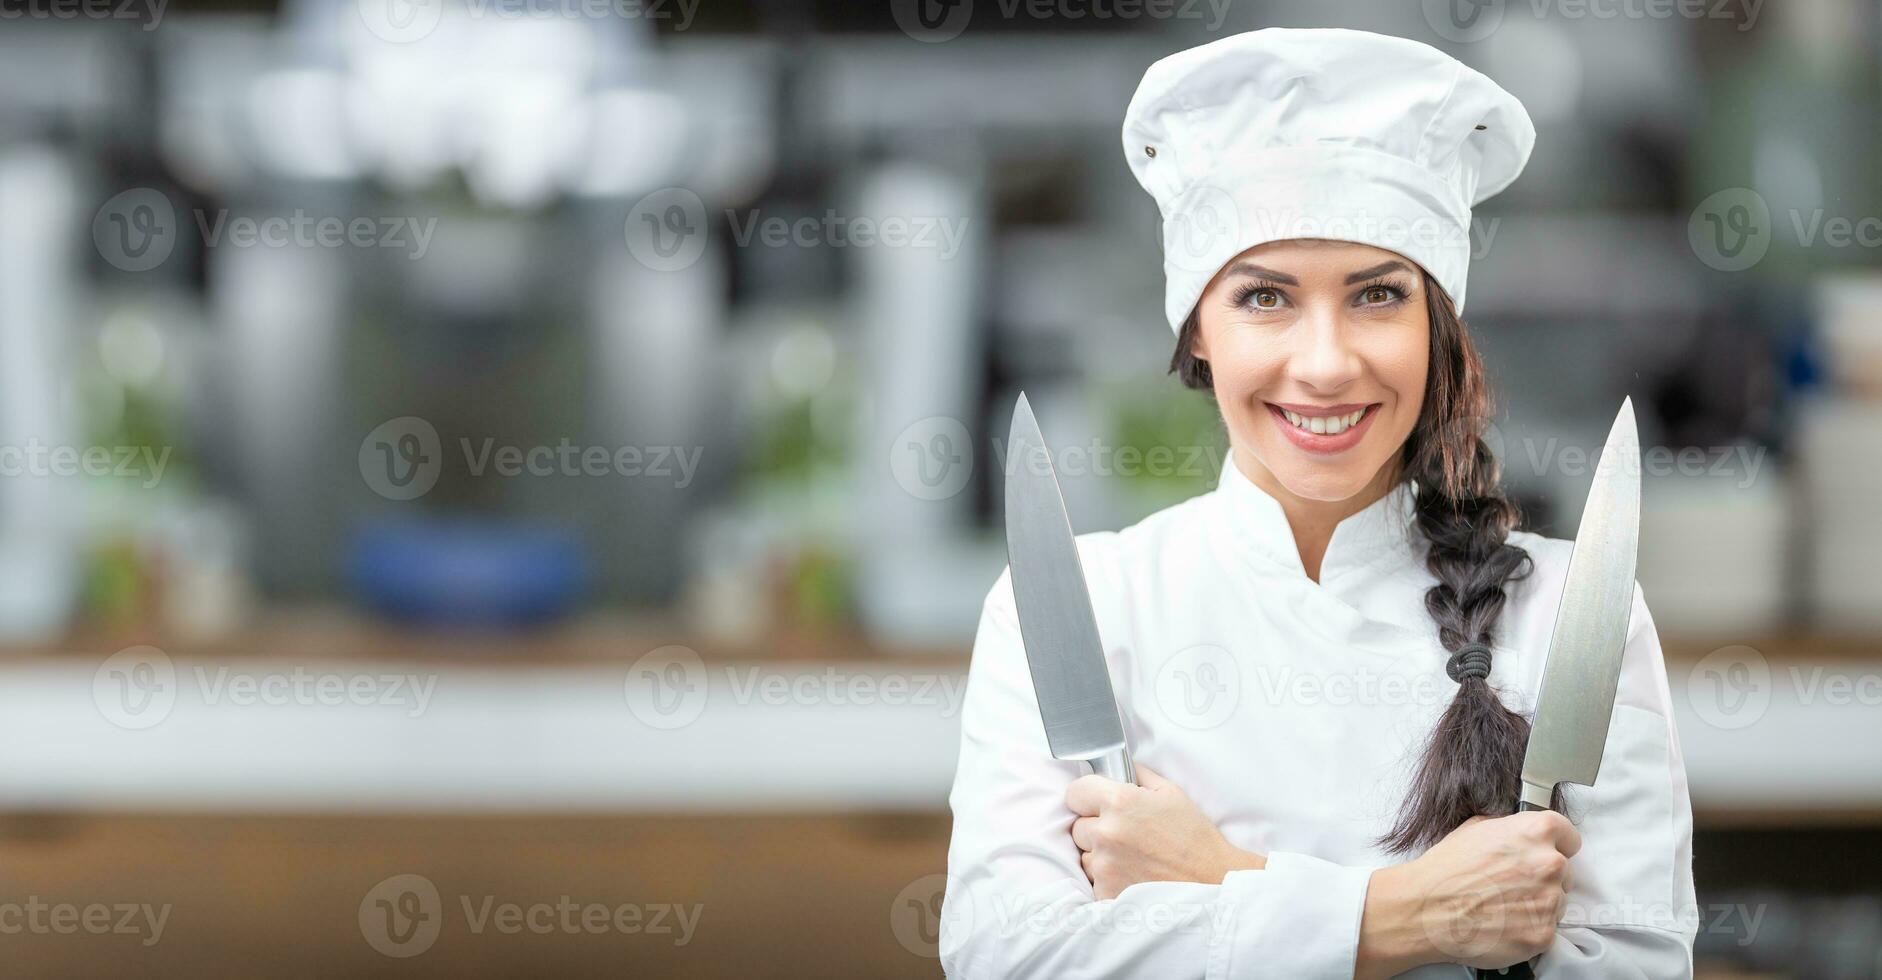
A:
(1330, 425)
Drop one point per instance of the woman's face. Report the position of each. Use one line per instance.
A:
(1319, 352)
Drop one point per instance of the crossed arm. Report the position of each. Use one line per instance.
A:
(1054, 873)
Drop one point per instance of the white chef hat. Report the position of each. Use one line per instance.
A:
(1338, 134)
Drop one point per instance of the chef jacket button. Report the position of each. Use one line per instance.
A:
(1150, 150)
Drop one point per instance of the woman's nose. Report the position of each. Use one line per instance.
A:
(1324, 358)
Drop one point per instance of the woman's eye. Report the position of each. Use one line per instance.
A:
(1265, 298)
(1377, 294)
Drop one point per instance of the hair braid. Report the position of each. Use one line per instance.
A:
(1473, 763)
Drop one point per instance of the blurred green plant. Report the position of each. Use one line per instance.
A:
(129, 403)
(821, 593)
(1175, 436)
(115, 587)
(796, 470)
(804, 406)
(795, 444)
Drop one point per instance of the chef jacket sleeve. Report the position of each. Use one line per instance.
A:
(1018, 903)
(1631, 910)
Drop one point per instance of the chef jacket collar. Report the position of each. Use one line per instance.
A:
(1383, 529)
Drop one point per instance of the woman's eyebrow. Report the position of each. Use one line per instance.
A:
(1262, 272)
(1381, 269)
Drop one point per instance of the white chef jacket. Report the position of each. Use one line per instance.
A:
(1293, 713)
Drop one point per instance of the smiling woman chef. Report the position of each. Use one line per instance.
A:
(1316, 188)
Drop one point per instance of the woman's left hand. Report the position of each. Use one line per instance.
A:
(1149, 832)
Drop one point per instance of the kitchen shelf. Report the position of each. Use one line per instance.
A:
(540, 723)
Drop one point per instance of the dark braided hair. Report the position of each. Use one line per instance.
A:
(1473, 763)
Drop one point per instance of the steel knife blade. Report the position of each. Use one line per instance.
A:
(1056, 623)
(1576, 697)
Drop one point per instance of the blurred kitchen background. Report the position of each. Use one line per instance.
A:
(481, 453)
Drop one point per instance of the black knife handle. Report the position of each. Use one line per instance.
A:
(1515, 971)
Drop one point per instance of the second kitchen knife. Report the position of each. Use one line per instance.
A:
(1576, 698)
(1056, 623)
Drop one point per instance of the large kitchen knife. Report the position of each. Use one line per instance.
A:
(1055, 618)
(1576, 699)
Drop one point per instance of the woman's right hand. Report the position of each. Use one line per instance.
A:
(1488, 895)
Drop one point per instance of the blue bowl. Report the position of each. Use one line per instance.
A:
(468, 572)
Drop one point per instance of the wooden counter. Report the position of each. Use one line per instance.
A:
(281, 897)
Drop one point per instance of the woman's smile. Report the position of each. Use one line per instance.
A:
(1318, 353)
(1323, 429)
